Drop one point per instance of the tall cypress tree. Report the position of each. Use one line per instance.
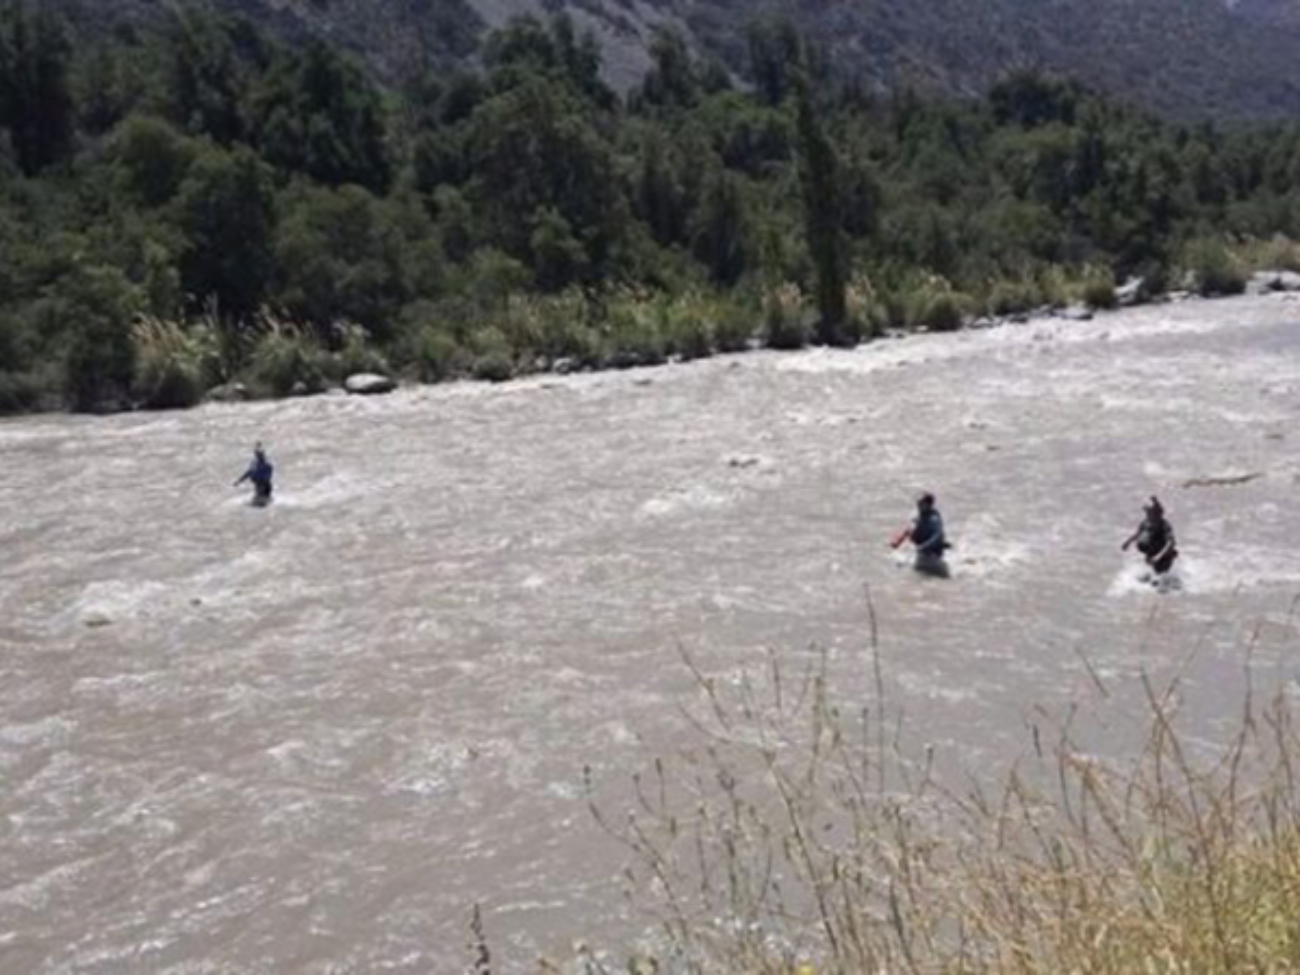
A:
(35, 96)
(819, 176)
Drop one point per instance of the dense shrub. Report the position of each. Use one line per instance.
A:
(19, 392)
(1014, 297)
(287, 362)
(437, 355)
(168, 384)
(865, 317)
(168, 366)
(786, 322)
(567, 331)
(493, 357)
(688, 326)
(152, 159)
(940, 311)
(734, 325)
(356, 353)
(98, 368)
(1057, 286)
(90, 310)
(1275, 254)
(1099, 290)
(1213, 270)
(635, 334)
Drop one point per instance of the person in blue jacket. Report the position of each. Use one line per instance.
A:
(259, 472)
(927, 534)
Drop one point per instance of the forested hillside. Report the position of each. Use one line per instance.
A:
(198, 204)
(1225, 59)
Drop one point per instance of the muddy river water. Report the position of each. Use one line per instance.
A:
(309, 738)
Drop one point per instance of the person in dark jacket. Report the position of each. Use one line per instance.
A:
(927, 534)
(259, 472)
(1154, 538)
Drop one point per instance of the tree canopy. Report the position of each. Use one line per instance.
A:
(204, 175)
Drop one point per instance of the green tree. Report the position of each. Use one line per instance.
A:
(752, 138)
(526, 48)
(318, 115)
(720, 228)
(1030, 99)
(151, 159)
(533, 148)
(109, 82)
(209, 63)
(1040, 165)
(438, 159)
(558, 258)
(35, 94)
(863, 197)
(454, 223)
(225, 208)
(659, 196)
(90, 309)
(673, 81)
(775, 58)
(819, 176)
(339, 258)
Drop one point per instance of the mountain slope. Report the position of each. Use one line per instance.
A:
(1190, 58)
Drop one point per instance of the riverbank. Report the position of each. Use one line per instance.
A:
(179, 366)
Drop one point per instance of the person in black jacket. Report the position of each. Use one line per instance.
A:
(1154, 538)
(927, 534)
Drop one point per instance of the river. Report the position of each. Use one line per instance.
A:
(310, 738)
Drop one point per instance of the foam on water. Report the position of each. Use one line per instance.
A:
(1139, 580)
(986, 549)
(115, 600)
(1238, 570)
(681, 500)
(334, 490)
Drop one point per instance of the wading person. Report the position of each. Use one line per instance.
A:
(1154, 538)
(927, 535)
(259, 472)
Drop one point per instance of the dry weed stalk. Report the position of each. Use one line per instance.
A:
(798, 832)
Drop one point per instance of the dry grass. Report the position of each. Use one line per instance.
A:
(170, 363)
(1274, 254)
(786, 317)
(797, 835)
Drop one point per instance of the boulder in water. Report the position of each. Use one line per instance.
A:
(228, 393)
(369, 384)
(1076, 313)
(1131, 292)
(750, 462)
(1273, 282)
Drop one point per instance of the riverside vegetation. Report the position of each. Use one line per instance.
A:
(801, 834)
(195, 205)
